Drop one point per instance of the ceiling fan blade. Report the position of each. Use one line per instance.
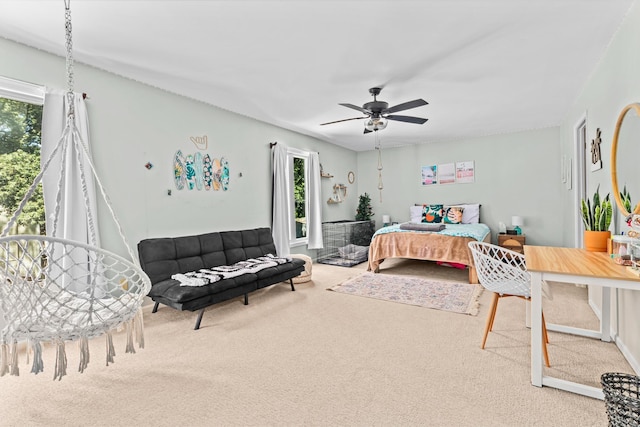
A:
(406, 106)
(366, 131)
(343, 120)
(355, 107)
(408, 119)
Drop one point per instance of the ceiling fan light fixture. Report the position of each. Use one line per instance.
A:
(375, 123)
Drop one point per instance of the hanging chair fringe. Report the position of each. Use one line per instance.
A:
(14, 369)
(4, 359)
(37, 366)
(84, 354)
(111, 351)
(61, 361)
(129, 328)
(139, 328)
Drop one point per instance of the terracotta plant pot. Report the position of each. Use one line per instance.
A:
(596, 241)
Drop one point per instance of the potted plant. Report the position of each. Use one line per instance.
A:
(596, 216)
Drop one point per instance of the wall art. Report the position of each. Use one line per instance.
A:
(596, 158)
(429, 175)
(447, 173)
(465, 172)
(195, 171)
(201, 142)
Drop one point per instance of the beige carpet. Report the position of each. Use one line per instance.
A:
(313, 357)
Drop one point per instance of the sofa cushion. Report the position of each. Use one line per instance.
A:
(212, 250)
(171, 290)
(279, 273)
(245, 244)
(158, 258)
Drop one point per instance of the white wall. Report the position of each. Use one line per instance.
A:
(515, 174)
(132, 124)
(613, 84)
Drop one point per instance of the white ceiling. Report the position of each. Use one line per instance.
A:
(484, 66)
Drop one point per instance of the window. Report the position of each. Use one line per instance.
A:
(20, 138)
(298, 196)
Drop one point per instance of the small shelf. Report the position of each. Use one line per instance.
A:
(326, 175)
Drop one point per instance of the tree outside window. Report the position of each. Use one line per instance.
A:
(20, 141)
(299, 197)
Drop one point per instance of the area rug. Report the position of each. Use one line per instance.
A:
(448, 296)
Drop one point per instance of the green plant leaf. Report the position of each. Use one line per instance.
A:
(585, 215)
(597, 217)
(607, 213)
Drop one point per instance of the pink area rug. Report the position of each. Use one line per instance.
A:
(448, 296)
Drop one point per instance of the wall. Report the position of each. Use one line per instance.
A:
(613, 84)
(132, 124)
(515, 174)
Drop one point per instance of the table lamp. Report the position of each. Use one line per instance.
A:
(517, 221)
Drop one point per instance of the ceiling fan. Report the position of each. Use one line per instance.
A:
(378, 112)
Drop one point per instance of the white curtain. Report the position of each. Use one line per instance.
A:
(68, 186)
(280, 226)
(72, 220)
(314, 222)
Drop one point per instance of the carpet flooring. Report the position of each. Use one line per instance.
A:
(440, 295)
(318, 358)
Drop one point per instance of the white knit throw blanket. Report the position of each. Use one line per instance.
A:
(206, 276)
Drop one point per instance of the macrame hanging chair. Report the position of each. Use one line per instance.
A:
(57, 290)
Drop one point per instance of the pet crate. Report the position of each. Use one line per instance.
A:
(346, 242)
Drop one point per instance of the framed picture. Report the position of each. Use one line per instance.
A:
(429, 175)
(465, 172)
(447, 173)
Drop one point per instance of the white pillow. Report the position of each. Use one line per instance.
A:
(471, 213)
(415, 213)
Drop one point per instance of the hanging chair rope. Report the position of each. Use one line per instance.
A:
(56, 290)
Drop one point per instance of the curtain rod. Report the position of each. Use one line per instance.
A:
(273, 144)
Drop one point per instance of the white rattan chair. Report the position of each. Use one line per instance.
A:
(504, 273)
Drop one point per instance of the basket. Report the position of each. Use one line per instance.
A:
(622, 398)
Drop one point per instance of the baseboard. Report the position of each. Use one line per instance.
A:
(617, 340)
(596, 310)
(627, 354)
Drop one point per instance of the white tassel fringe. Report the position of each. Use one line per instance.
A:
(139, 329)
(61, 361)
(4, 359)
(14, 369)
(129, 328)
(111, 351)
(84, 354)
(37, 366)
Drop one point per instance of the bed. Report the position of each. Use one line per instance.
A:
(450, 245)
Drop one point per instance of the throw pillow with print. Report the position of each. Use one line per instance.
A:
(432, 213)
(453, 215)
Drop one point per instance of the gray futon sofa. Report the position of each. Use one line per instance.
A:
(161, 258)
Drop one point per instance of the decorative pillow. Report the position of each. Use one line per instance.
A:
(471, 214)
(432, 213)
(415, 214)
(453, 215)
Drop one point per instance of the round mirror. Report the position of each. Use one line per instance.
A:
(625, 170)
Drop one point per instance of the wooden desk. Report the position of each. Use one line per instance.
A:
(569, 265)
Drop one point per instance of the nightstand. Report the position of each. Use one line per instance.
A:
(514, 242)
